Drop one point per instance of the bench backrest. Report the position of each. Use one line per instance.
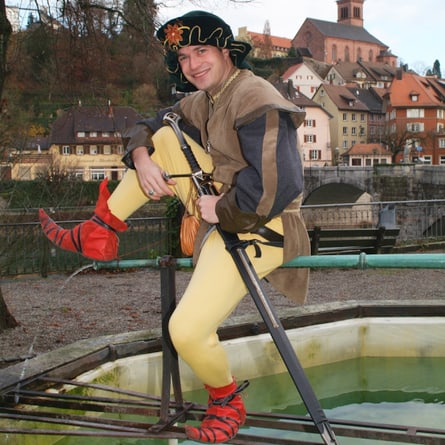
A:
(368, 240)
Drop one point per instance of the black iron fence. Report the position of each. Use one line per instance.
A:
(25, 250)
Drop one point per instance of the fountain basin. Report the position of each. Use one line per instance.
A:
(320, 335)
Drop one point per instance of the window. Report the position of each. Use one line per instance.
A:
(345, 131)
(356, 162)
(309, 123)
(93, 134)
(368, 162)
(415, 112)
(353, 117)
(97, 175)
(79, 150)
(356, 12)
(440, 114)
(345, 144)
(66, 150)
(310, 138)
(93, 150)
(105, 134)
(442, 143)
(362, 130)
(353, 131)
(345, 116)
(80, 134)
(442, 160)
(120, 149)
(362, 117)
(107, 149)
(314, 155)
(415, 127)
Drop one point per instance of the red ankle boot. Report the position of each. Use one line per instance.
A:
(224, 416)
(95, 238)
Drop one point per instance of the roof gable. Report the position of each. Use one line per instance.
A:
(342, 98)
(402, 92)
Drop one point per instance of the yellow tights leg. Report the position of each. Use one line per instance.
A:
(128, 196)
(214, 291)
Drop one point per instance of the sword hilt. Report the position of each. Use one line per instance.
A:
(173, 120)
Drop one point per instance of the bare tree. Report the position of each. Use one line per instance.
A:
(5, 33)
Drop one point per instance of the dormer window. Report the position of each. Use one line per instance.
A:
(414, 96)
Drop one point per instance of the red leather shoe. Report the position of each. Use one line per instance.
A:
(95, 238)
(224, 416)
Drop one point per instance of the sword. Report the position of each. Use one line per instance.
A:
(236, 247)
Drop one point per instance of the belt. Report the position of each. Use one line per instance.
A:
(270, 235)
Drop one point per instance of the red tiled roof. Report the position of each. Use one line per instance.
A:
(291, 70)
(401, 90)
(368, 149)
(277, 42)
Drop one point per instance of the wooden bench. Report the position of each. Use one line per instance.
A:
(353, 240)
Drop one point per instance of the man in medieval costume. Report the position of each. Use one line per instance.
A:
(243, 132)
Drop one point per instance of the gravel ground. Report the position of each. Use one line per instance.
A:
(59, 310)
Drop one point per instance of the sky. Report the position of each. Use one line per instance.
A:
(412, 29)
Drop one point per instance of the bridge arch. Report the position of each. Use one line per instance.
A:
(335, 193)
(357, 177)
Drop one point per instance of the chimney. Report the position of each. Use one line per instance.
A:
(110, 109)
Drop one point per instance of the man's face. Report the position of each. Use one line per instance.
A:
(205, 66)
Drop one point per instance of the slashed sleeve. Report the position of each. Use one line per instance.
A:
(272, 179)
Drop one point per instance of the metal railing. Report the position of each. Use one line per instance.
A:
(419, 221)
(25, 250)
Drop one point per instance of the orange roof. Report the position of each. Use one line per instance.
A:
(290, 70)
(368, 149)
(277, 42)
(401, 91)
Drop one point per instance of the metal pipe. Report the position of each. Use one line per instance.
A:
(360, 261)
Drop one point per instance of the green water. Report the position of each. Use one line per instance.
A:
(407, 391)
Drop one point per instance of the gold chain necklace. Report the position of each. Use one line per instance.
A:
(214, 99)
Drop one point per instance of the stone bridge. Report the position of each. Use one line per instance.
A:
(381, 182)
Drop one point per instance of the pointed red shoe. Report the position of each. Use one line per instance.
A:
(95, 238)
(224, 416)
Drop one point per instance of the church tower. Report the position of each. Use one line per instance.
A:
(350, 12)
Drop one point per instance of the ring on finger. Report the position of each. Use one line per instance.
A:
(151, 192)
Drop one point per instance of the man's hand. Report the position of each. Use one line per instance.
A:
(206, 205)
(150, 175)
